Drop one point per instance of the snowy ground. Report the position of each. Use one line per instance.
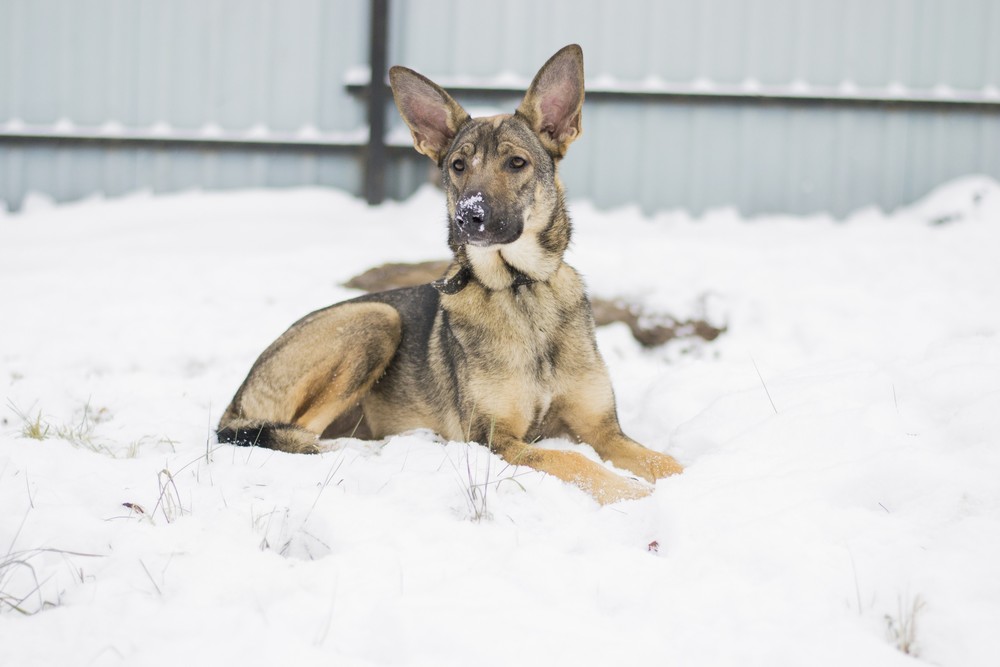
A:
(843, 462)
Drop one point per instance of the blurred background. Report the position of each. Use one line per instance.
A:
(770, 106)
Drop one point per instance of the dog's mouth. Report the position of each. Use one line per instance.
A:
(481, 242)
(486, 238)
(486, 233)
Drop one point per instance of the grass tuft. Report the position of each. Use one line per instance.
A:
(82, 432)
(169, 501)
(476, 486)
(35, 428)
(18, 563)
(902, 629)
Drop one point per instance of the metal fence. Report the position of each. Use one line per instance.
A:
(768, 105)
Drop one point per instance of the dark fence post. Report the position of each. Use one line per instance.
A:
(377, 98)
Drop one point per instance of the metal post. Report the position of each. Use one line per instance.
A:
(377, 98)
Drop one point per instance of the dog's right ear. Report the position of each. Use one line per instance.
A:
(433, 117)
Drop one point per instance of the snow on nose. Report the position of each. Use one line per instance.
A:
(471, 210)
(473, 205)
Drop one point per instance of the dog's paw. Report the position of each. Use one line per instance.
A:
(661, 465)
(648, 464)
(604, 485)
(611, 488)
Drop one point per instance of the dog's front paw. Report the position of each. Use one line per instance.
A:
(648, 464)
(611, 488)
(661, 465)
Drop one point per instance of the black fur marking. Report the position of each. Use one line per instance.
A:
(460, 136)
(455, 284)
(372, 360)
(454, 355)
(520, 279)
(554, 238)
(550, 359)
(261, 436)
(481, 431)
(418, 308)
(460, 280)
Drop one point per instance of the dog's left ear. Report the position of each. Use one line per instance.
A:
(553, 104)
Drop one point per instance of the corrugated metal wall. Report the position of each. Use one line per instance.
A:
(246, 66)
(761, 158)
(254, 70)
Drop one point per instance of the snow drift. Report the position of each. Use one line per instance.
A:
(840, 504)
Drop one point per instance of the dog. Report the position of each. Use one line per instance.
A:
(501, 349)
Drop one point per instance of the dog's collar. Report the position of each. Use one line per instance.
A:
(460, 280)
(520, 279)
(455, 284)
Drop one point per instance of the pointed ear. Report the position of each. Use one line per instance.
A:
(553, 104)
(430, 113)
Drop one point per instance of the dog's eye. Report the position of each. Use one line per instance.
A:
(517, 163)
(458, 165)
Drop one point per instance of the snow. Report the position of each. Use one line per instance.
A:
(847, 89)
(210, 132)
(839, 438)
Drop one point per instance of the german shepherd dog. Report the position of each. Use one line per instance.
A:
(501, 349)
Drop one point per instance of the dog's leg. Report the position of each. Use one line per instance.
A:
(589, 412)
(318, 369)
(604, 485)
(612, 445)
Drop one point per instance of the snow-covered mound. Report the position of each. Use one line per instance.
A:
(971, 198)
(840, 505)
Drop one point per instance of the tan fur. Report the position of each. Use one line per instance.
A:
(313, 374)
(501, 350)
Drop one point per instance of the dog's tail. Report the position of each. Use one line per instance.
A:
(269, 435)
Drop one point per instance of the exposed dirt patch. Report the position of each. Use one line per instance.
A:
(650, 329)
(391, 276)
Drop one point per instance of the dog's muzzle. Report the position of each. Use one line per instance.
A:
(476, 225)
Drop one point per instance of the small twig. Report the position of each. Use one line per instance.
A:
(21, 559)
(510, 478)
(15, 604)
(199, 457)
(903, 631)
(27, 485)
(326, 482)
(17, 533)
(325, 629)
(764, 385)
(166, 500)
(53, 550)
(208, 436)
(857, 586)
(358, 425)
(153, 581)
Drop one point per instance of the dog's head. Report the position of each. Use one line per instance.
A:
(505, 201)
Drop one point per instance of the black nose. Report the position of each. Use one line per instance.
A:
(472, 213)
